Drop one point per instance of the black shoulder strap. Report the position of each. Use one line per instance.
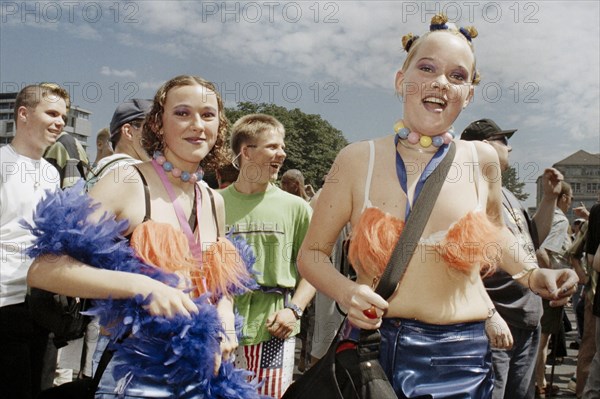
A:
(533, 232)
(146, 194)
(107, 355)
(415, 224)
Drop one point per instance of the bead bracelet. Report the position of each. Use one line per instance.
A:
(526, 272)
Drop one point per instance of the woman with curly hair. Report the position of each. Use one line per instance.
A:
(148, 245)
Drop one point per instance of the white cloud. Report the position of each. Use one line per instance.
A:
(125, 73)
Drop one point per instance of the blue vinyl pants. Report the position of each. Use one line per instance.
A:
(428, 361)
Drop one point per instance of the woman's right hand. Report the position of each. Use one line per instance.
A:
(365, 307)
(166, 301)
(498, 332)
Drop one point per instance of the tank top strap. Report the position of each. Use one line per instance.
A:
(214, 210)
(146, 194)
(476, 174)
(367, 201)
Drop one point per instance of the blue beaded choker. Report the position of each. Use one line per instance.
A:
(167, 166)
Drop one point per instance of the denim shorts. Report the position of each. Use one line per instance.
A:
(437, 361)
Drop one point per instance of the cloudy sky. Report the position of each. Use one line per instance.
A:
(539, 60)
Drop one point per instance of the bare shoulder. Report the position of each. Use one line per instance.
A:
(485, 152)
(120, 192)
(356, 154)
(353, 152)
(486, 155)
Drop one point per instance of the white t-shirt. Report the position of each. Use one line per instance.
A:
(23, 183)
(109, 163)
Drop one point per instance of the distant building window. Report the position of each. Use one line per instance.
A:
(592, 172)
(576, 187)
(572, 171)
(6, 117)
(9, 126)
(592, 187)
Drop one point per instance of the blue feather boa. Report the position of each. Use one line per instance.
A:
(177, 351)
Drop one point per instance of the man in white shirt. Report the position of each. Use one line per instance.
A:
(40, 114)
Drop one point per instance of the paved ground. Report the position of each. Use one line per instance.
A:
(562, 373)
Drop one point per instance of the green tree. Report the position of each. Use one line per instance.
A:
(311, 142)
(511, 182)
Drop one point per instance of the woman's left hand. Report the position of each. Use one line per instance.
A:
(498, 332)
(228, 338)
(229, 343)
(556, 285)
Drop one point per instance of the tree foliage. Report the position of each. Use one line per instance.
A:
(511, 182)
(311, 142)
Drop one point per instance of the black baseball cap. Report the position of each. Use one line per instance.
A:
(129, 111)
(483, 129)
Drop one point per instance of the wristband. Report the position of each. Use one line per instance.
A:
(523, 273)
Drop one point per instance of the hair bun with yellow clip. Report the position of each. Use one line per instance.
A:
(438, 22)
(469, 32)
(408, 40)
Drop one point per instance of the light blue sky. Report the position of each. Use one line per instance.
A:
(539, 60)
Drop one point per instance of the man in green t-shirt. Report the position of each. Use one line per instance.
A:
(274, 224)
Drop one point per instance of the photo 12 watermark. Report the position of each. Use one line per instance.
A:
(87, 92)
(270, 11)
(526, 12)
(277, 92)
(54, 12)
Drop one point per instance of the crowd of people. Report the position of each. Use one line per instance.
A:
(200, 292)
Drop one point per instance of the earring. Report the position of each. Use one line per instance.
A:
(234, 161)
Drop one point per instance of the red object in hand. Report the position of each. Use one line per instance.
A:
(371, 313)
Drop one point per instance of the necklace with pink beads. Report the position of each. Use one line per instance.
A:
(167, 166)
(426, 141)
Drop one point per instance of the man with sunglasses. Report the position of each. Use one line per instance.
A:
(126, 128)
(518, 306)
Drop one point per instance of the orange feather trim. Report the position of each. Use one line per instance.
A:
(221, 270)
(471, 241)
(224, 269)
(373, 240)
(163, 246)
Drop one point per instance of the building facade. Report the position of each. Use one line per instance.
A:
(78, 121)
(582, 171)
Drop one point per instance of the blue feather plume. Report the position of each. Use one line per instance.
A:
(177, 351)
